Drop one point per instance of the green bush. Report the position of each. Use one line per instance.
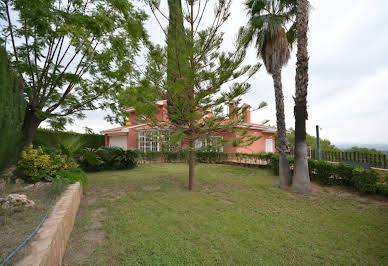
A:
(274, 163)
(151, 155)
(175, 156)
(324, 172)
(35, 165)
(211, 156)
(365, 180)
(107, 158)
(72, 175)
(344, 174)
(65, 177)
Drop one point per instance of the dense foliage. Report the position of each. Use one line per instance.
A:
(35, 165)
(325, 144)
(71, 176)
(54, 138)
(71, 56)
(107, 158)
(368, 181)
(12, 109)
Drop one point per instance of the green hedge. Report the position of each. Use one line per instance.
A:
(12, 110)
(368, 181)
(53, 138)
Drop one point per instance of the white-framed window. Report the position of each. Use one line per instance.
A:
(154, 140)
(213, 143)
(268, 145)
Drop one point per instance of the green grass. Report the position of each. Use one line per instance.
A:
(234, 216)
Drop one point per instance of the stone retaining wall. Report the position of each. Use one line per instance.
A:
(49, 244)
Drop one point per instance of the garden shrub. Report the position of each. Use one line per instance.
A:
(35, 165)
(324, 172)
(274, 163)
(72, 175)
(151, 155)
(175, 156)
(211, 156)
(344, 174)
(65, 177)
(107, 158)
(365, 180)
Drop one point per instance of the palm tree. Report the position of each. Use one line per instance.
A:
(267, 28)
(301, 179)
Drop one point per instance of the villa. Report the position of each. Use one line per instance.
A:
(141, 136)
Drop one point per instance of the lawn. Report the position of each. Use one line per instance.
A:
(234, 216)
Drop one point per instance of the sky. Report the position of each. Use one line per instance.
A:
(348, 71)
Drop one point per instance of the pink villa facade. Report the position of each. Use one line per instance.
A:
(136, 135)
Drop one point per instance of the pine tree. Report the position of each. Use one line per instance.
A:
(200, 80)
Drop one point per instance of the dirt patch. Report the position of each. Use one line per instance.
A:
(17, 224)
(228, 202)
(85, 240)
(341, 191)
(151, 188)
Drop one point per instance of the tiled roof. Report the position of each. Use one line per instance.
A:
(118, 129)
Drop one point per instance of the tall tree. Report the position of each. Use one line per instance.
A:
(200, 81)
(301, 178)
(71, 56)
(267, 27)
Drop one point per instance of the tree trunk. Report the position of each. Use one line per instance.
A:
(30, 125)
(301, 179)
(282, 147)
(191, 164)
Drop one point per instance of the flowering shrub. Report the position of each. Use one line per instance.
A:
(36, 165)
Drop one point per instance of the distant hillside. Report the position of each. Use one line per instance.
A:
(383, 147)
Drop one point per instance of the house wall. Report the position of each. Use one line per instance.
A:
(228, 147)
(258, 145)
(132, 136)
(130, 141)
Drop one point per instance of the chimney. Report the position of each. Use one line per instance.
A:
(232, 107)
(132, 117)
(247, 114)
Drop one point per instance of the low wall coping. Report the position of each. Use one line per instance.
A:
(49, 244)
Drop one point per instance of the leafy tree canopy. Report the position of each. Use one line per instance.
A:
(71, 55)
(312, 142)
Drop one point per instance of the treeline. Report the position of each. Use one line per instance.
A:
(327, 146)
(312, 142)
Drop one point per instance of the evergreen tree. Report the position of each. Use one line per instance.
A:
(200, 81)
